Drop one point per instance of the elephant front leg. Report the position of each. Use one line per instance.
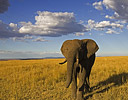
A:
(80, 93)
(74, 89)
(74, 82)
(80, 90)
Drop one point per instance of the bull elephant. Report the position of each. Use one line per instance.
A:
(80, 57)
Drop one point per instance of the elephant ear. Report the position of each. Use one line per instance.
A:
(65, 48)
(91, 47)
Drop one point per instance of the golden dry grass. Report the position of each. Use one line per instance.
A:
(45, 79)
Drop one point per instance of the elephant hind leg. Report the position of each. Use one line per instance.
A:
(90, 64)
(87, 85)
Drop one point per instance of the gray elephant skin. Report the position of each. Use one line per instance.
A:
(80, 57)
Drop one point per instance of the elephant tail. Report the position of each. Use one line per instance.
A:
(63, 62)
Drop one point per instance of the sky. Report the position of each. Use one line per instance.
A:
(37, 28)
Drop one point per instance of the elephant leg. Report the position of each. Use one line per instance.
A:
(81, 76)
(89, 67)
(74, 82)
(87, 84)
(80, 90)
(80, 93)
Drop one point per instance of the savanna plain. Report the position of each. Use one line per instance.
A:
(45, 79)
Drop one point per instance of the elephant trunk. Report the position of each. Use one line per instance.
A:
(70, 66)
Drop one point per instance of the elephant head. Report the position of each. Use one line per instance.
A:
(76, 50)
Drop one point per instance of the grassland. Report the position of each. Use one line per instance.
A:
(45, 79)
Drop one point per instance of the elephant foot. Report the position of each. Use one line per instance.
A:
(87, 89)
(80, 99)
(74, 95)
(80, 95)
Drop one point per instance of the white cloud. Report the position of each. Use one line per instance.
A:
(14, 27)
(98, 5)
(79, 34)
(27, 54)
(22, 39)
(52, 24)
(7, 31)
(104, 25)
(110, 31)
(109, 17)
(4, 5)
(120, 12)
(120, 8)
(121, 21)
(91, 24)
(39, 39)
(127, 26)
(108, 24)
(27, 37)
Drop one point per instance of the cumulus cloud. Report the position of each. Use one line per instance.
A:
(104, 25)
(110, 31)
(22, 39)
(14, 27)
(4, 4)
(98, 5)
(120, 8)
(120, 14)
(108, 24)
(79, 34)
(52, 24)
(9, 30)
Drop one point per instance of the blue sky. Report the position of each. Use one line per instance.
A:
(37, 28)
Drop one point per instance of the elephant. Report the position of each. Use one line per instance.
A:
(80, 57)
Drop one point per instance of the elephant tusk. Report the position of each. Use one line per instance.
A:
(77, 61)
(81, 68)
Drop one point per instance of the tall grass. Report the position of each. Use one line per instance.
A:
(45, 79)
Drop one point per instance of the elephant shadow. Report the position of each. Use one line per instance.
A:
(112, 81)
